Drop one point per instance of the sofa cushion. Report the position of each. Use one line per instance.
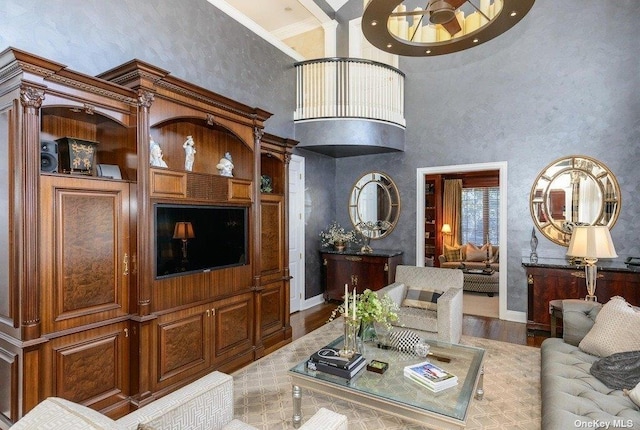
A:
(452, 253)
(422, 298)
(616, 329)
(634, 394)
(572, 397)
(57, 413)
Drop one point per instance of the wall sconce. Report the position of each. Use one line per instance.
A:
(446, 231)
(183, 231)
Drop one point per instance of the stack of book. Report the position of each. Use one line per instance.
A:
(328, 360)
(431, 376)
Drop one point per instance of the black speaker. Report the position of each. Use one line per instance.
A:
(48, 156)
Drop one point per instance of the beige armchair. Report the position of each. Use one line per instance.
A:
(430, 301)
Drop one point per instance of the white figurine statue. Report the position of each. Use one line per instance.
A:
(225, 166)
(189, 153)
(155, 155)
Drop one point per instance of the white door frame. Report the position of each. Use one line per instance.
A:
(501, 166)
(296, 231)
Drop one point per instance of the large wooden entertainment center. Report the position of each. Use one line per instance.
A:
(83, 314)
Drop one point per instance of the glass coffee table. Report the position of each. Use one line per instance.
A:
(393, 393)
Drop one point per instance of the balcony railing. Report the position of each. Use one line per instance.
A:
(349, 88)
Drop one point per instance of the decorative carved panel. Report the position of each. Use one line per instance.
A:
(181, 344)
(271, 226)
(89, 248)
(232, 326)
(271, 315)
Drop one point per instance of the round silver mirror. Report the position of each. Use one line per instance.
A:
(374, 205)
(574, 191)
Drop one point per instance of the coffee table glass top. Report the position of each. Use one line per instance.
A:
(394, 387)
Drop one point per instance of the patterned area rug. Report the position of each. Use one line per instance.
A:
(511, 401)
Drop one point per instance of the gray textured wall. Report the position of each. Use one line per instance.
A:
(191, 39)
(565, 81)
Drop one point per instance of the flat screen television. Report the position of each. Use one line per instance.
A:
(216, 237)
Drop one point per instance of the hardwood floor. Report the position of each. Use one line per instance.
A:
(310, 319)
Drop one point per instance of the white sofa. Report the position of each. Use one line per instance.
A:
(204, 404)
(444, 323)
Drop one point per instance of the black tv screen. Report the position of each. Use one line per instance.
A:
(216, 237)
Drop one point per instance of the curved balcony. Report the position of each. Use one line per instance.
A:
(349, 106)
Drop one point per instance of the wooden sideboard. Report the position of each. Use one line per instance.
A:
(551, 279)
(357, 270)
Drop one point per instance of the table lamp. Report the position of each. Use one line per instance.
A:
(591, 243)
(184, 232)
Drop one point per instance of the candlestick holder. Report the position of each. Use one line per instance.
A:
(349, 347)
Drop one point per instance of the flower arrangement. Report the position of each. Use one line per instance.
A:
(335, 234)
(370, 308)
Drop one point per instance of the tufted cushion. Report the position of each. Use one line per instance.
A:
(422, 298)
(616, 329)
(571, 396)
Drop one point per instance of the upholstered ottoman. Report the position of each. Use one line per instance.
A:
(481, 283)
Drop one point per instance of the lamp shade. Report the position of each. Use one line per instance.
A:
(446, 229)
(183, 230)
(592, 241)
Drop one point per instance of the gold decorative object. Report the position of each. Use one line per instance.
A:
(76, 156)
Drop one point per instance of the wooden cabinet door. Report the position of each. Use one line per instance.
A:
(84, 251)
(233, 330)
(183, 346)
(90, 367)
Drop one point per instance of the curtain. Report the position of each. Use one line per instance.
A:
(452, 210)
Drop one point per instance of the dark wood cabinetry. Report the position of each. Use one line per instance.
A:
(83, 314)
(551, 279)
(432, 219)
(357, 270)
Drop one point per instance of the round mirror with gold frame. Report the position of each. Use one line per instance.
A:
(374, 205)
(574, 191)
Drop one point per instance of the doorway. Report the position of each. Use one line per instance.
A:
(501, 166)
(296, 232)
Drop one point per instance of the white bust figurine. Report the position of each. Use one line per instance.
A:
(155, 155)
(189, 153)
(225, 166)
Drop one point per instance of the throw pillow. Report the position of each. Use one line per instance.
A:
(422, 298)
(616, 329)
(403, 340)
(145, 426)
(476, 254)
(634, 394)
(618, 371)
(452, 253)
(495, 254)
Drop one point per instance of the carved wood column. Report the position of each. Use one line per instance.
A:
(145, 238)
(27, 173)
(257, 240)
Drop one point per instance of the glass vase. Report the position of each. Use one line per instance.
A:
(367, 332)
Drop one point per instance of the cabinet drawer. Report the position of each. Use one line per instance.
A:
(166, 183)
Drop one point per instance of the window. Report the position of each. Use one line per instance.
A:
(480, 207)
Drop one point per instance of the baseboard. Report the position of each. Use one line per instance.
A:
(515, 316)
